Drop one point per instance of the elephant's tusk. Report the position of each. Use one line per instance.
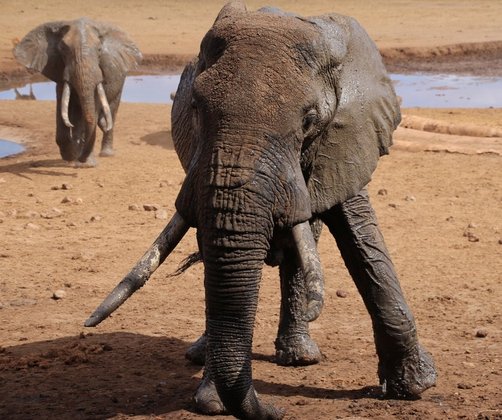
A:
(144, 268)
(311, 267)
(65, 102)
(106, 107)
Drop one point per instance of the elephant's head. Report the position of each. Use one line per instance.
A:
(279, 118)
(88, 60)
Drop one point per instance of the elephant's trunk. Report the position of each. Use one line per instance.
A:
(233, 260)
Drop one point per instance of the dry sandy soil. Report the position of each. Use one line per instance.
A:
(69, 229)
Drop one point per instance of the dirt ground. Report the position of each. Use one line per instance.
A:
(79, 231)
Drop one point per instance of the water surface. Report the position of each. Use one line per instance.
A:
(8, 148)
(416, 90)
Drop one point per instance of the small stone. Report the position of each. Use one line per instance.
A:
(449, 218)
(66, 199)
(100, 184)
(500, 241)
(394, 206)
(31, 226)
(161, 214)
(66, 187)
(72, 224)
(58, 294)
(382, 191)
(481, 333)
(96, 218)
(55, 187)
(471, 226)
(57, 212)
(30, 214)
(464, 386)
(134, 207)
(410, 198)
(471, 237)
(79, 200)
(341, 293)
(151, 207)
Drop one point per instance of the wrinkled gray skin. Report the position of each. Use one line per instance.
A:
(85, 57)
(279, 124)
(282, 119)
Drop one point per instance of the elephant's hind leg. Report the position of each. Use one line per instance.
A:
(293, 345)
(405, 368)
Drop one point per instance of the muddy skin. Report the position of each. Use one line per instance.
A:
(405, 368)
(281, 120)
(88, 61)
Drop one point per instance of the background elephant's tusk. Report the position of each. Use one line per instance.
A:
(144, 268)
(311, 265)
(106, 107)
(65, 102)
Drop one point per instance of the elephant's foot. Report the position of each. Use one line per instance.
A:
(408, 377)
(107, 152)
(297, 350)
(196, 353)
(206, 398)
(90, 162)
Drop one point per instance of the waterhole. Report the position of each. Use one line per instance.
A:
(8, 148)
(416, 90)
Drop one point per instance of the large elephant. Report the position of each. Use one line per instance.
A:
(279, 123)
(89, 61)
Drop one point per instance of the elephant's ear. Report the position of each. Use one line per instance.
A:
(119, 53)
(367, 114)
(38, 50)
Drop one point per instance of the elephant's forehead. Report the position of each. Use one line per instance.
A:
(260, 28)
(80, 30)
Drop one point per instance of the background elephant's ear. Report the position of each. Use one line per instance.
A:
(367, 113)
(38, 50)
(119, 53)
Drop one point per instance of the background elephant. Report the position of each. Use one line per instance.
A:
(280, 122)
(89, 61)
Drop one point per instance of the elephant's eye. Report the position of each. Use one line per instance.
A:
(309, 121)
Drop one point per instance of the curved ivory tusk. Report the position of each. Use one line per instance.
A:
(144, 268)
(106, 107)
(311, 266)
(65, 102)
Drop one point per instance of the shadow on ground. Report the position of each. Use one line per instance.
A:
(160, 138)
(99, 376)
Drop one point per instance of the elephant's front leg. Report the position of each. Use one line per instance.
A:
(405, 368)
(293, 344)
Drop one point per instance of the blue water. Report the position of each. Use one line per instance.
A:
(8, 148)
(416, 90)
(150, 89)
(448, 91)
